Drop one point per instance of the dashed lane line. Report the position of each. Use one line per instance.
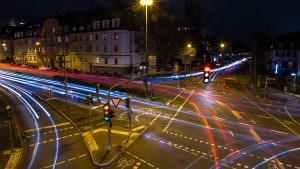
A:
(197, 152)
(64, 137)
(144, 161)
(46, 127)
(62, 162)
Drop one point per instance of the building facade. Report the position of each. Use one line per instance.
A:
(100, 44)
(6, 45)
(286, 54)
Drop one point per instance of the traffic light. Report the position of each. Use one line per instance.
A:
(9, 112)
(127, 102)
(111, 113)
(89, 99)
(106, 110)
(206, 74)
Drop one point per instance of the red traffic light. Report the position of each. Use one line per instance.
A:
(206, 69)
(106, 107)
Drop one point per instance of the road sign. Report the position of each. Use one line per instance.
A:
(116, 101)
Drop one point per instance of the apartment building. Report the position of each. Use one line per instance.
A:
(6, 45)
(286, 54)
(102, 43)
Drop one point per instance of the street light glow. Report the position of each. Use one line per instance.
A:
(189, 45)
(222, 45)
(146, 2)
(293, 74)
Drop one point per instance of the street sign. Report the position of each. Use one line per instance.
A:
(116, 101)
(152, 60)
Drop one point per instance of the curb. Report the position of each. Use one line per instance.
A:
(16, 153)
(72, 124)
(92, 145)
(119, 149)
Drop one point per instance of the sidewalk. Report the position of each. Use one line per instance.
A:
(9, 159)
(97, 138)
(271, 93)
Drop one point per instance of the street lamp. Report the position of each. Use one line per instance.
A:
(187, 58)
(146, 3)
(294, 84)
(222, 45)
(37, 51)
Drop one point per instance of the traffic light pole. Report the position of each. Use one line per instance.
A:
(66, 79)
(11, 138)
(91, 127)
(108, 98)
(109, 135)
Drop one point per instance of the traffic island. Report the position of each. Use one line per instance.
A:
(95, 134)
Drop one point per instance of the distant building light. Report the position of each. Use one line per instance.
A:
(293, 74)
(276, 68)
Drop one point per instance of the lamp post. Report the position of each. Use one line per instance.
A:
(187, 57)
(37, 51)
(294, 84)
(146, 3)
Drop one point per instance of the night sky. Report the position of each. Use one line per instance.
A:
(224, 18)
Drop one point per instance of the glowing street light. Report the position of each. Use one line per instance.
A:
(146, 2)
(222, 45)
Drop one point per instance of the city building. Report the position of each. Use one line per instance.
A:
(89, 41)
(286, 54)
(6, 45)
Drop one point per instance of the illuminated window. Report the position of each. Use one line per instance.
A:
(58, 39)
(115, 36)
(97, 60)
(91, 37)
